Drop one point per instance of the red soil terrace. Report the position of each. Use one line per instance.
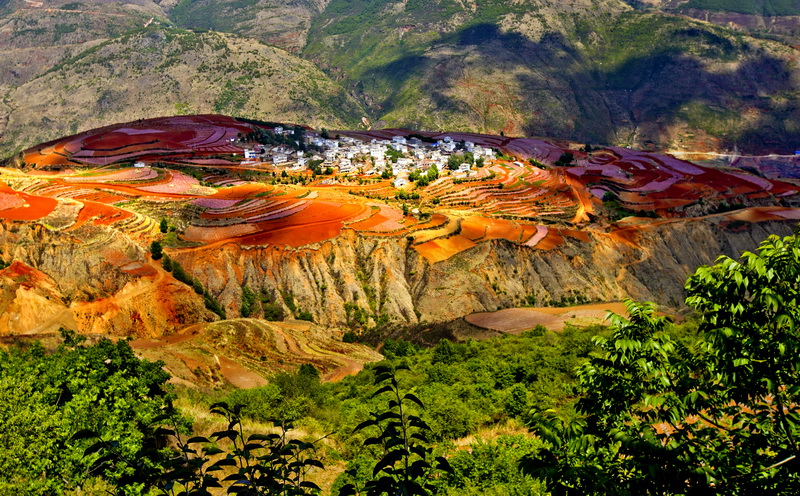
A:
(525, 200)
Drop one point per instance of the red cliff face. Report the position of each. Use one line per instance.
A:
(115, 288)
(385, 276)
(110, 287)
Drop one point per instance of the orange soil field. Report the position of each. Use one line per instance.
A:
(34, 208)
(100, 214)
(502, 201)
(516, 320)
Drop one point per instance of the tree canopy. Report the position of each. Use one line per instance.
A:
(719, 415)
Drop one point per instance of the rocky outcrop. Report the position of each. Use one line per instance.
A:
(385, 276)
(102, 283)
(91, 279)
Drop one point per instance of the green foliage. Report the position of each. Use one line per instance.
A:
(288, 299)
(566, 159)
(163, 226)
(399, 348)
(406, 464)
(166, 263)
(261, 463)
(47, 400)
(248, 301)
(156, 250)
(212, 304)
(719, 416)
(305, 315)
(447, 353)
(491, 467)
(272, 311)
(288, 397)
(752, 7)
(402, 195)
(455, 160)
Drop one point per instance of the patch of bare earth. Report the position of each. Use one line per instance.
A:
(516, 320)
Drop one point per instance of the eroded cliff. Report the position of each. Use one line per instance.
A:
(383, 276)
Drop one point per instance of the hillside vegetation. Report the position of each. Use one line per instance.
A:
(754, 7)
(159, 71)
(596, 73)
(612, 72)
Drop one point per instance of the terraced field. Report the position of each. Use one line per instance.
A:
(233, 226)
(523, 198)
(184, 138)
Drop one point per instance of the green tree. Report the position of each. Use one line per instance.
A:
(48, 399)
(720, 416)
(163, 226)
(156, 250)
(248, 301)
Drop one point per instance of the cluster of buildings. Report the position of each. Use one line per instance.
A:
(348, 155)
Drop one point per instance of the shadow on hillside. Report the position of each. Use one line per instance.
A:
(567, 95)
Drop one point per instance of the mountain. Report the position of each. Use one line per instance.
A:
(277, 22)
(589, 71)
(652, 75)
(34, 39)
(159, 71)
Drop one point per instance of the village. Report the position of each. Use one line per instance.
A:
(401, 158)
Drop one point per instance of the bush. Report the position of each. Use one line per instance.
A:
(156, 250)
(272, 311)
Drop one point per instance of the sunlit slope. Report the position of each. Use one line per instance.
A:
(590, 71)
(161, 71)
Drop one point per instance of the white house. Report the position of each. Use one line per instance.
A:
(463, 168)
(140, 164)
(345, 166)
(401, 140)
(447, 146)
(330, 155)
(377, 151)
(279, 158)
(400, 182)
(248, 153)
(469, 145)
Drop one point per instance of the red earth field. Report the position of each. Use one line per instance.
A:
(521, 199)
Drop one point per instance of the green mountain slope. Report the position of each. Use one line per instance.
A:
(34, 39)
(589, 71)
(161, 71)
(751, 7)
(276, 22)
